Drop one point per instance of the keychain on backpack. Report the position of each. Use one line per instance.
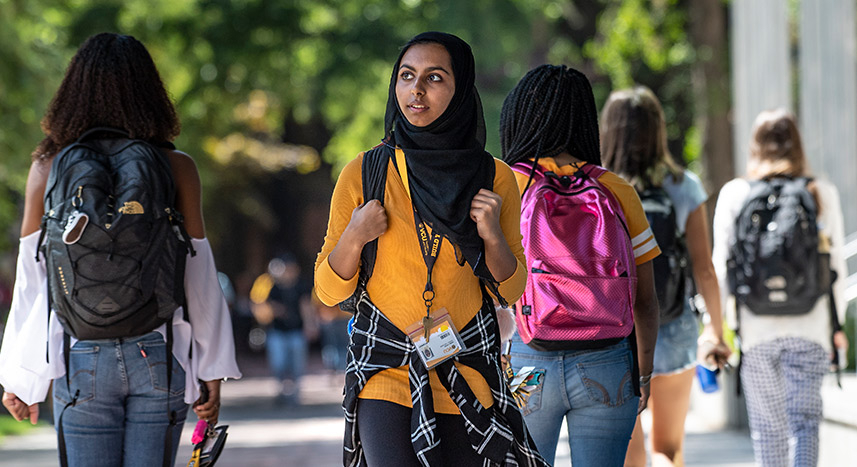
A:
(74, 226)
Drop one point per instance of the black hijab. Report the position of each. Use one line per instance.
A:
(446, 160)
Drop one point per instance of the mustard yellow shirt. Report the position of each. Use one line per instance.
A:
(399, 276)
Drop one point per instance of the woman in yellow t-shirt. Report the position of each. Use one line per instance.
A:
(448, 243)
(550, 119)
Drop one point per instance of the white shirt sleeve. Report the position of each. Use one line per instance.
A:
(30, 357)
(832, 223)
(29, 337)
(213, 342)
(729, 202)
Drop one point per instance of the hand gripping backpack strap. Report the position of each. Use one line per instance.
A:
(374, 179)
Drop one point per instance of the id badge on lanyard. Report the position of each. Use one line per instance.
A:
(435, 335)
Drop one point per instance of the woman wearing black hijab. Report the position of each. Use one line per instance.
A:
(448, 243)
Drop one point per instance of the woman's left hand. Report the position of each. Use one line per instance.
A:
(485, 211)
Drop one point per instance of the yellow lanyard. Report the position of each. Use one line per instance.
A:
(194, 458)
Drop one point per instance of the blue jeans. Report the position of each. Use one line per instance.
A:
(592, 391)
(334, 338)
(120, 418)
(286, 353)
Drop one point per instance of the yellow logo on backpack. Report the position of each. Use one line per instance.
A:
(131, 207)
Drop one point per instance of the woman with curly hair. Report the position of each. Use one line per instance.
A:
(115, 400)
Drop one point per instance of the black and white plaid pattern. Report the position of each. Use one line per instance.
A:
(497, 433)
(782, 382)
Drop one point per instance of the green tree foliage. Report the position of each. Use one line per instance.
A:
(270, 85)
(645, 42)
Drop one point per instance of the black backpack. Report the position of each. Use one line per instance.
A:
(671, 266)
(774, 266)
(373, 170)
(120, 273)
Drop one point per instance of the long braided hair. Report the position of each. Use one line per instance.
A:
(550, 111)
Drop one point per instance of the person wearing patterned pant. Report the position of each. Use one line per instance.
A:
(782, 384)
(784, 357)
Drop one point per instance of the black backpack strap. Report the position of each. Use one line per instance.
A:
(374, 178)
(373, 170)
(66, 348)
(171, 414)
(836, 326)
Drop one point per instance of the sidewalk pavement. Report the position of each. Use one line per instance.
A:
(264, 433)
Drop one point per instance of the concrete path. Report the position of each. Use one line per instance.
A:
(264, 433)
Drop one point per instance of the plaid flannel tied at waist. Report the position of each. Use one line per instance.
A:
(497, 433)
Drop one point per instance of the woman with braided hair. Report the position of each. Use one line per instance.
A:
(549, 121)
(448, 241)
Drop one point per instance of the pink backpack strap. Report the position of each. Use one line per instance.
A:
(594, 171)
(526, 168)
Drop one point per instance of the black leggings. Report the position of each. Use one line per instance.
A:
(385, 431)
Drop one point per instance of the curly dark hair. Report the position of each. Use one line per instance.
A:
(550, 111)
(110, 82)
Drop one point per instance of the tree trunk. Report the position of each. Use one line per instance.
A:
(711, 88)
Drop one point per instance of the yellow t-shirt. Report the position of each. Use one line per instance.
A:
(642, 238)
(399, 276)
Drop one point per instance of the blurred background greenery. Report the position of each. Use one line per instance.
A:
(275, 96)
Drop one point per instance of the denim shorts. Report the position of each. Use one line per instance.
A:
(675, 350)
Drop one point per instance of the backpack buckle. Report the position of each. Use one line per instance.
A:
(563, 180)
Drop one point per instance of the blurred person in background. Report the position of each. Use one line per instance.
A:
(788, 328)
(334, 334)
(281, 303)
(634, 146)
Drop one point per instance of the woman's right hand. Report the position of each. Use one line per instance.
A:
(711, 350)
(19, 409)
(368, 222)
(210, 409)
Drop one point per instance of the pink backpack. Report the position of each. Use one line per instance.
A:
(582, 278)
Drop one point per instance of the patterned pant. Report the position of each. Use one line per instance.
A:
(782, 383)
